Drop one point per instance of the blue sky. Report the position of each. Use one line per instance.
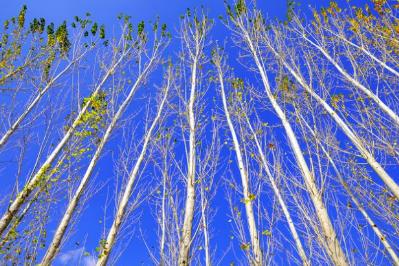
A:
(105, 12)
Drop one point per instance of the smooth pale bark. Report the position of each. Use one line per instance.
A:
(385, 177)
(356, 83)
(280, 199)
(41, 173)
(13, 128)
(366, 52)
(373, 225)
(163, 214)
(333, 247)
(205, 230)
(62, 227)
(18, 220)
(121, 210)
(253, 232)
(185, 240)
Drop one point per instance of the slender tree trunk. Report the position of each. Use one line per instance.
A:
(18, 220)
(163, 212)
(280, 199)
(194, 31)
(42, 172)
(356, 83)
(35, 101)
(120, 213)
(253, 232)
(205, 229)
(373, 225)
(185, 240)
(366, 52)
(59, 234)
(334, 249)
(385, 177)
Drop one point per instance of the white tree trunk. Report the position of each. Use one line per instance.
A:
(253, 232)
(366, 52)
(334, 249)
(110, 241)
(185, 240)
(163, 218)
(280, 199)
(204, 219)
(35, 101)
(356, 83)
(373, 225)
(386, 178)
(41, 173)
(61, 229)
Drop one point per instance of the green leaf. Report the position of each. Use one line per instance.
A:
(266, 233)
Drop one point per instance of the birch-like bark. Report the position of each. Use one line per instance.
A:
(185, 240)
(333, 246)
(385, 177)
(194, 34)
(120, 213)
(280, 199)
(253, 232)
(355, 82)
(205, 229)
(365, 51)
(41, 173)
(13, 128)
(163, 212)
(372, 224)
(62, 227)
(18, 220)
(206, 176)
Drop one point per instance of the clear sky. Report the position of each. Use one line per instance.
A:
(105, 12)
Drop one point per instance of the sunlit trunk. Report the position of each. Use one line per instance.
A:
(13, 128)
(356, 83)
(43, 171)
(280, 199)
(121, 210)
(185, 240)
(61, 229)
(253, 232)
(366, 52)
(205, 229)
(372, 224)
(386, 178)
(333, 247)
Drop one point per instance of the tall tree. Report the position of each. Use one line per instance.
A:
(194, 31)
(42, 174)
(247, 27)
(108, 244)
(144, 71)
